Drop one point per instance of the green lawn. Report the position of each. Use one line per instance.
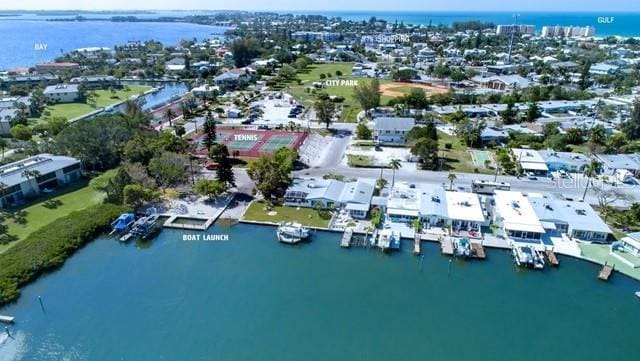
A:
(103, 98)
(59, 204)
(306, 216)
(358, 160)
(312, 74)
(600, 253)
(457, 159)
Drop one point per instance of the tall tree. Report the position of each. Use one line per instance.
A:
(451, 177)
(210, 132)
(590, 171)
(367, 93)
(632, 126)
(224, 170)
(325, 110)
(510, 114)
(394, 164)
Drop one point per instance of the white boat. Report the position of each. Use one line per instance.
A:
(527, 256)
(388, 239)
(638, 294)
(292, 232)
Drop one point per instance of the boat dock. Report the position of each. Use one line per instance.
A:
(7, 319)
(477, 250)
(446, 246)
(416, 243)
(553, 260)
(346, 238)
(605, 272)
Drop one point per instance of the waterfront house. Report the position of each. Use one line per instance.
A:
(392, 130)
(578, 220)
(355, 196)
(94, 82)
(465, 215)
(61, 93)
(514, 214)
(631, 243)
(408, 202)
(29, 177)
(6, 81)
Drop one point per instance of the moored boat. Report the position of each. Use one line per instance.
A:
(388, 239)
(527, 256)
(292, 232)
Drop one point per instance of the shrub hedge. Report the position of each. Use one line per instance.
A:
(48, 247)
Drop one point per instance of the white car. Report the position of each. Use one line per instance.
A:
(531, 176)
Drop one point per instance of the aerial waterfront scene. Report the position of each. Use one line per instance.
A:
(422, 180)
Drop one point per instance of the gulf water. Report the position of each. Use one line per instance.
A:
(251, 298)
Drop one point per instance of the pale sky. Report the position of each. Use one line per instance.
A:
(328, 5)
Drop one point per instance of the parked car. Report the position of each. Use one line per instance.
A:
(531, 176)
(212, 166)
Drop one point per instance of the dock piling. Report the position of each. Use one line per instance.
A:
(41, 304)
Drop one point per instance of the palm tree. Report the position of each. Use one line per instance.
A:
(394, 164)
(451, 177)
(170, 114)
(590, 171)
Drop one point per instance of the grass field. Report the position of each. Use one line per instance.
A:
(305, 216)
(457, 159)
(103, 99)
(312, 74)
(59, 204)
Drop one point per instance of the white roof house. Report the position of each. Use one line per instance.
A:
(530, 160)
(632, 243)
(354, 196)
(516, 215)
(464, 206)
(577, 219)
(409, 201)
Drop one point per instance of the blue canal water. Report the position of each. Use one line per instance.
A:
(19, 37)
(251, 298)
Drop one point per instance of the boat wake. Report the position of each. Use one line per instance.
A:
(12, 348)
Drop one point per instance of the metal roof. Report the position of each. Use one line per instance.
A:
(12, 174)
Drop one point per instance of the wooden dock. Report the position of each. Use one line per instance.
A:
(346, 238)
(553, 260)
(416, 243)
(477, 250)
(7, 319)
(605, 272)
(446, 246)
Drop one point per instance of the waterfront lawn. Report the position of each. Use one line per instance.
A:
(599, 253)
(458, 158)
(45, 210)
(306, 216)
(103, 99)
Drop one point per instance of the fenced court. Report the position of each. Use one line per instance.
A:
(480, 157)
(254, 143)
